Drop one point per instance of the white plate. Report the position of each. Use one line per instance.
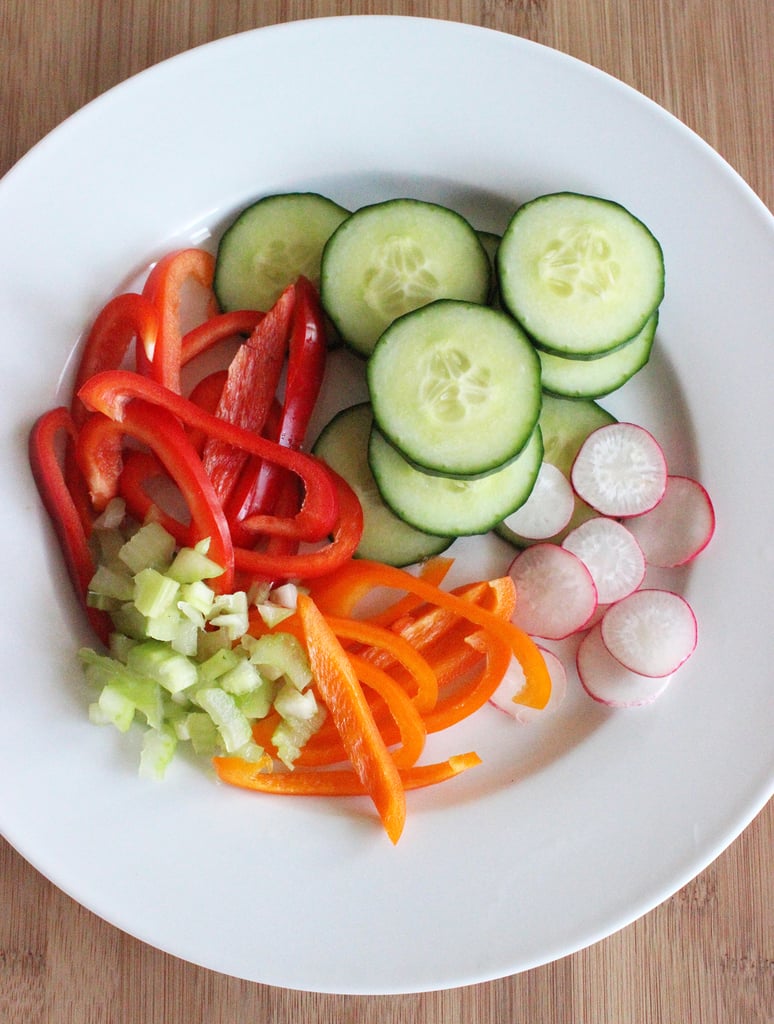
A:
(570, 830)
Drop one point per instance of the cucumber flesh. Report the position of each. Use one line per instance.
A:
(581, 274)
(343, 444)
(594, 378)
(270, 245)
(455, 387)
(448, 505)
(392, 257)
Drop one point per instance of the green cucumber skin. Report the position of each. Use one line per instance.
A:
(343, 444)
(595, 378)
(527, 297)
(349, 286)
(459, 508)
(469, 393)
(235, 283)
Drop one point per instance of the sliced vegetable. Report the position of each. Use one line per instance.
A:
(505, 697)
(611, 554)
(555, 592)
(620, 470)
(605, 679)
(651, 632)
(679, 527)
(547, 510)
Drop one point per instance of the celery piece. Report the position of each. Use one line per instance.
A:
(191, 566)
(280, 654)
(150, 548)
(292, 703)
(211, 641)
(115, 708)
(158, 749)
(291, 734)
(128, 620)
(232, 725)
(156, 660)
(273, 614)
(229, 612)
(220, 662)
(143, 693)
(257, 703)
(198, 596)
(202, 732)
(110, 582)
(154, 592)
(243, 678)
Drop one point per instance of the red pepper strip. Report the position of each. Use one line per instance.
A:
(251, 384)
(215, 329)
(164, 287)
(99, 445)
(306, 368)
(112, 393)
(61, 508)
(123, 319)
(335, 782)
(309, 564)
(139, 469)
(206, 394)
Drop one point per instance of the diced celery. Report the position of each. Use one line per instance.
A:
(211, 641)
(150, 548)
(257, 703)
(110, 582)
(157, 661)
(129, 621)
(115, 708)
(280, 654)
(243, 678)
(273, 614)
(229, 612)
(154, 592)
(202, 732)
(233, 726)
(292, 703)
(255, 754)
(192, 566)
(198, 595)
(220, 662)
(291, 734)
(158, 749)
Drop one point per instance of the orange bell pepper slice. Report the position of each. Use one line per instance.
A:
(340, 689)
(337, 781)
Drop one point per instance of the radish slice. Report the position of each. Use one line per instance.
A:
(612, 556)
(620, 470)
(555, 594)
(651, 632)
(607, 681)
(679, 527)
(548, 509)
(513, 683)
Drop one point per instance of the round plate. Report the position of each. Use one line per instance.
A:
(572, 827)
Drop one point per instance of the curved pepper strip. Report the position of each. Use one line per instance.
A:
(62, 510)
(162, 360)
(537, 687)
(309, 564)
(336, 782)
(125, 318)
(113, 392)
(218, 328)
(462, 702)
(100, 443)
(139, 469)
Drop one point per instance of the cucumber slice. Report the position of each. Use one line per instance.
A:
(564, 423)
(449, 505)
(455, 387)
(581, 274)
(343, 444)
(272, 243)
(593, 378)
(392, 257)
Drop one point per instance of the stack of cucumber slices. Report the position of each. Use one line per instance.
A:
(483, 356)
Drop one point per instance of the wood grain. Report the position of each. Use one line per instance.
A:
(707, 954)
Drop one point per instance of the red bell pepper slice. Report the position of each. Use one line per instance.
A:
(165, 288)
(99, 450)
(123, 319)
(306, 368)
(215, 329)
(114, 391)
(251, 384)
(62, 510)
(206, 394)
(310, 564)
(141, 469)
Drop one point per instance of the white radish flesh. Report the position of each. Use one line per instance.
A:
(620, 470)
(555, 594)
(651, 632)
(607, 681)
(679, 527)
(504, 697)
(612, 556)
(548, 509)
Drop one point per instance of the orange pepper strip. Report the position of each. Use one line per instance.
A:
(405, 713)
(342, 693)
(339, 592)
(400, 650)
(537, 688)
(463, 701)
(336, 782)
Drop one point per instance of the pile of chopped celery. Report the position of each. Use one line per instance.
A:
(181, 659)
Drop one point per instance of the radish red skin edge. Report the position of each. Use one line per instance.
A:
(679, 528)
(651, 632)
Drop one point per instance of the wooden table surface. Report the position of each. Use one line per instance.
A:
(707, 954)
